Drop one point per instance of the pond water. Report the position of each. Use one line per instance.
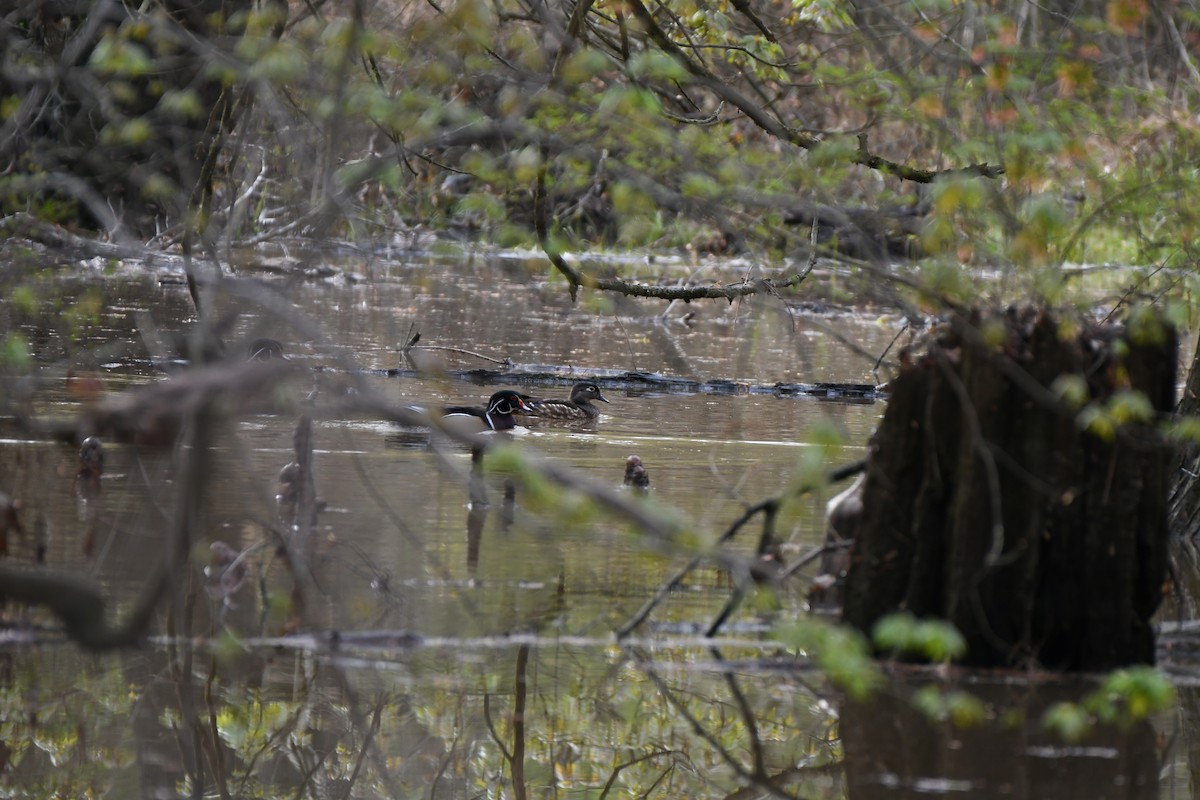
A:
(457, 649)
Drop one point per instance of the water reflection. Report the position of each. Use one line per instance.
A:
(902, 744)
(461, 636)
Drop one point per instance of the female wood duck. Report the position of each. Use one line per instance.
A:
(578, 407)
(497, 416)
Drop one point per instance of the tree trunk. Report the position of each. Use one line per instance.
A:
(986, 503)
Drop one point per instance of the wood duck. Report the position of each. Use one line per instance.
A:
(497, 416)
(578, 407)
(636, 477)
(264, 350)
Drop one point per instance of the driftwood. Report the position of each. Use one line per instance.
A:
(986, 503)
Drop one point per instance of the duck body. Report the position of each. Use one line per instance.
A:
(578, 407)
(636, 477)
(264, 350)
(496, 416)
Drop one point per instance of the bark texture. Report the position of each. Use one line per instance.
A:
(987, 502)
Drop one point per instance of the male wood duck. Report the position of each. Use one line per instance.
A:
(496, 416)
(578, 407)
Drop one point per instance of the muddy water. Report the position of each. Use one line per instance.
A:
(495, 634)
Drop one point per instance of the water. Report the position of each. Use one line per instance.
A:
(464, 638)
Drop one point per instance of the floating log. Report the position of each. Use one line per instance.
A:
(986, 501)
(551, 375)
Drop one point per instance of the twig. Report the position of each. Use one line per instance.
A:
(415, 336)
(793, 568)
(836, 476)
(888, 349)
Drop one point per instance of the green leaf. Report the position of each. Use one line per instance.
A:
(931, 639)
(1068, 720)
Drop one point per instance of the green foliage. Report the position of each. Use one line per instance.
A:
(570, 509)
(1070, 721)
(902, 633)
(1131, 695)
(116, 56)
(960, 708)
(15, 354)
(830, 16)
(840, 652)
(1126, 697)
(1072, 389)
(1146, 326)
(1124, 407)
(1184, 429)
(653, 65)
(1098, 153)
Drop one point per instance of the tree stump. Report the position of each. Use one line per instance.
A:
(989, 503)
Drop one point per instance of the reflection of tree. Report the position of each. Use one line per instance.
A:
(893, 749)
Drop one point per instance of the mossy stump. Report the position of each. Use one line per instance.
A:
(1029, 522)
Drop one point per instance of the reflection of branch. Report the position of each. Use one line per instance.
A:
(766, 543)
(743, 706)
(366, 746)
(487, 720)
(212, 734)
(699, 729)
(789, 775)
(612, 778)
(516, 756)
(518, 723)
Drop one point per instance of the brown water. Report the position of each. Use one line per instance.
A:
(496, 664)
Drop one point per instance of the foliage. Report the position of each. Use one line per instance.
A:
(1125, 697)
(932, 639)
(1017, 138)
(703, 125)
(839, 651)
(960, 708)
